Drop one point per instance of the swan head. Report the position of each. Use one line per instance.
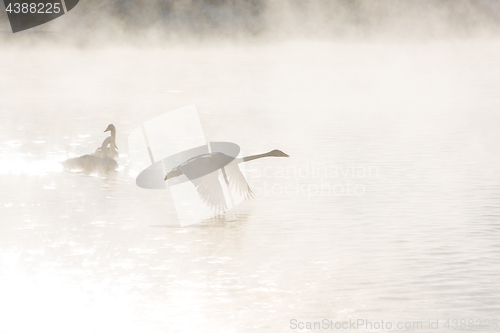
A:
(111, 128)
(278, 153)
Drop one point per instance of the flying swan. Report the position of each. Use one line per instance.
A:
(200, 170)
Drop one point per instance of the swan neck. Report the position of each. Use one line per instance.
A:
(104, 149)
(254, 157)
(105, 143)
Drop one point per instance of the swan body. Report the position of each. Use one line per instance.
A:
(91, 163)
(200, 171)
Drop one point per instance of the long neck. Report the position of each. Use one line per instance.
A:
(113, 133)
(254, 157)
(105, 143)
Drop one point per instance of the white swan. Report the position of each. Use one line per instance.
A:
(91, 163)
(200, 170)
(111, 150)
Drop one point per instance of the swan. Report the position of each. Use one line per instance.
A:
(111, 151)
(200, 171)
(90, 163)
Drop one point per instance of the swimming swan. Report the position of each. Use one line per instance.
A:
(90, 163)
(111, 151)
(200, 171)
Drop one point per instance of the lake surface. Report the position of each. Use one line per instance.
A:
(387, 209)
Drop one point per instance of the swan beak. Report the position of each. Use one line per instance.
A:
(165, 178)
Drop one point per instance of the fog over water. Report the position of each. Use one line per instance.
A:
(387, 209)
(147, 23)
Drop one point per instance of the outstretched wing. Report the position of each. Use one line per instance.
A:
(210, 191)
(237, 181)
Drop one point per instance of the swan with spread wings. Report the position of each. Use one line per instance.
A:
(201, 171)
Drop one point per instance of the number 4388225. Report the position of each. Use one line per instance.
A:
(473, 324)
(33, 8)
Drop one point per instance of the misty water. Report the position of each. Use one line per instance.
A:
(387, 209)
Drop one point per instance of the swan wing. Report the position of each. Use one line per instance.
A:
(111, 152)
(237, 181)
(210, 191)
(106, 152)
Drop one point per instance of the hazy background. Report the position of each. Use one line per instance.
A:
(95, 21)
(406, 88)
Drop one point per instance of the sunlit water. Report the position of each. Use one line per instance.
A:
(388, 208)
